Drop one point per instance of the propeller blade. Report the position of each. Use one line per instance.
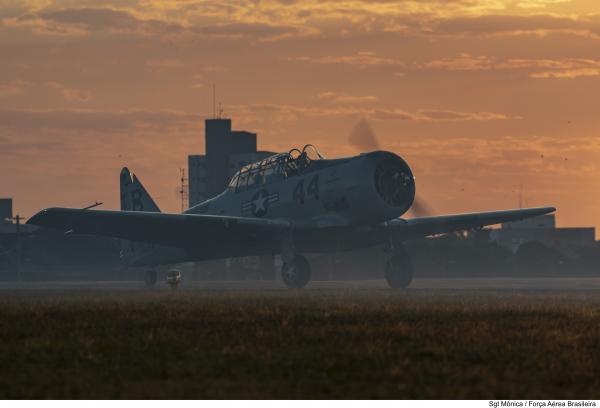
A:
(363, 138)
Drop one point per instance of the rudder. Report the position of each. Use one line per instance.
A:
(134, 196)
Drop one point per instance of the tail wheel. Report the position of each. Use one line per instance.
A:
(296, 274)
(399, 271)
(174, 277)
(150, 278)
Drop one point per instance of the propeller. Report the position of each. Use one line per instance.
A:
(420, 208)
(364, 139)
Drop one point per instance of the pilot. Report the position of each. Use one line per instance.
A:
(303, 160)
(291, 168)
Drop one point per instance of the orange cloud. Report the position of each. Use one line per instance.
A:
(570, 74)
(85, 21)
(291, 113)
(517, 25)
(360, 59)
(71, 94)
(12, 88)
(94, 120)
(334, 97)
(558, 68)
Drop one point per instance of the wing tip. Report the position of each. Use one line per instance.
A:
(41, 217)
(534, 210)
(38, 217)
(546, 210)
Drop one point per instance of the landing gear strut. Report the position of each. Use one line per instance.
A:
(399, 270)
(150, 278)
(296, 272)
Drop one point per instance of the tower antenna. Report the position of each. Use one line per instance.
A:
(183, 189)
(214, 101)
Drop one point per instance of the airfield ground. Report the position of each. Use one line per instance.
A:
(482, 338)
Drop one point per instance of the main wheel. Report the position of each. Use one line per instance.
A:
(150, 278)
(399, 271)
(296, 274)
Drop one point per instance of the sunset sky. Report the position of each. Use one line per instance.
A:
(479, 96)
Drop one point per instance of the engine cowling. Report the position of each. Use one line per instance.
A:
(394, 181)
(380, 186)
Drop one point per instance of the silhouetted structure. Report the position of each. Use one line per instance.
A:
(6, 211)
(543, 229)
(227, 151)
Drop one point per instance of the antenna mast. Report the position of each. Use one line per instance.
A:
(183, 188)
(214, 101)
(18, 245)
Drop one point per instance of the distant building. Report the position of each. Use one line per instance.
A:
(6, 210)
(547, 221)
(7, 226)
(197, 179)
(542, 229)
(227, 151)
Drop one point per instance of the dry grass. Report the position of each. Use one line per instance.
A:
(312, 344)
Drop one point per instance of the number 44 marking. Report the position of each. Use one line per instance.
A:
(312, 189)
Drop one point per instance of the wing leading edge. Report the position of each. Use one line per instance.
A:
(426, 226)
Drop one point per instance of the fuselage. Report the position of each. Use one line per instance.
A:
(342, 197)
(366, 189)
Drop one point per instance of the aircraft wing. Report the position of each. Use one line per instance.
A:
(174, 230)
(426, 226)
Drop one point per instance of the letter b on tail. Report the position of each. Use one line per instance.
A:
(134, 196)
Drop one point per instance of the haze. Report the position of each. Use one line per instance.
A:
(478, 96)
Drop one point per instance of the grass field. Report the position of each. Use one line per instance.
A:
(310, 344)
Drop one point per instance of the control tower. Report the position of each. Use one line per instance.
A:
(227, 151)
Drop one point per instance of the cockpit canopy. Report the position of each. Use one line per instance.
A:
(274, 168)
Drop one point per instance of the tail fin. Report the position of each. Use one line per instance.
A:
(134, 196)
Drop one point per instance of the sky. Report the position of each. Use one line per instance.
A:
(479, 96)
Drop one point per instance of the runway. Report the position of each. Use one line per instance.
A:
(493, 284)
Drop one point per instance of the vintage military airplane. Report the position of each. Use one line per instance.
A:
(289, 204)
